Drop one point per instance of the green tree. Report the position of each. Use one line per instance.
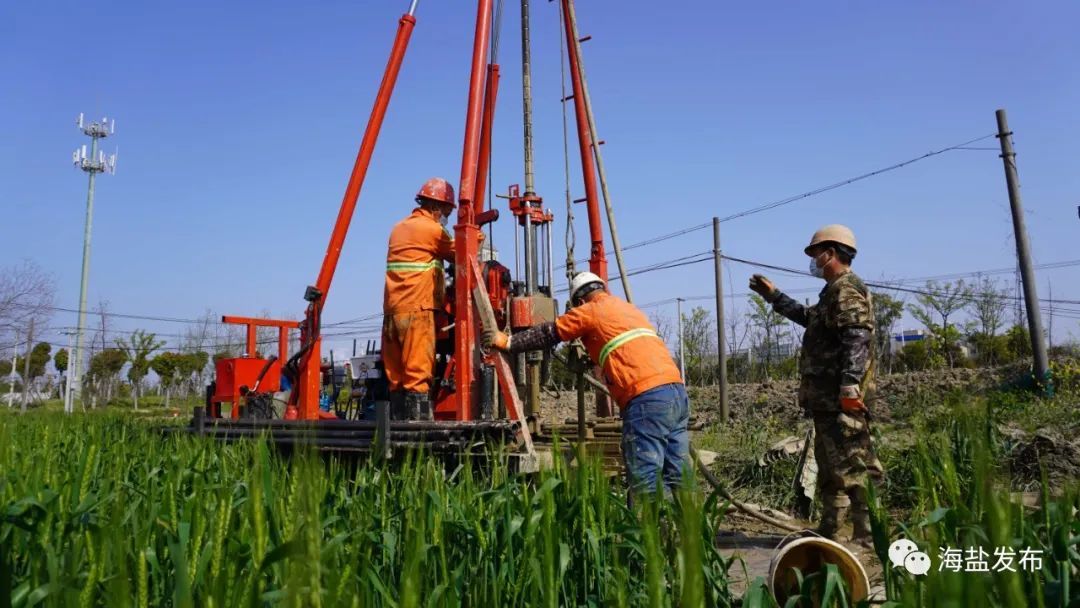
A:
(1019, 342)
(987, 306)
(942, 300)
(137, 349)
(102, 374)
(166, 366)
(189, 367)
(60, 360)
(39, 359)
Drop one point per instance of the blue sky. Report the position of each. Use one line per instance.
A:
(237, 124)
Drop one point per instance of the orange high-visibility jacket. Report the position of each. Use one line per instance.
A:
(414, 271)
(620, 339)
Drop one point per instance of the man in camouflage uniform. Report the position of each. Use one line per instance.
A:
(836, 366)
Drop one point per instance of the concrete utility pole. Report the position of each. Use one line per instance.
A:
(721, 342)
(682, 358)
(1023, 253)
(93, 164)
(26, 365)
(68, 403)
(11, 376)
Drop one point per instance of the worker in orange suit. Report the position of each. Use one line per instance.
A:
(415, 288)
(638, 371)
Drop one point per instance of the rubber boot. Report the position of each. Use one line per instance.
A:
(398, 409)
(425, 409)
(862, 534)
(831, 519)
(418, 406)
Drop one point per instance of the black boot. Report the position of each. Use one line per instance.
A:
(398, 408)
(832, 517)
(418, 406)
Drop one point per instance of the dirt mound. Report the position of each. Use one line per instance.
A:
(778, 398)
(1027, 454)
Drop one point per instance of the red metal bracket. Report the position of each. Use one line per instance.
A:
(522, 205)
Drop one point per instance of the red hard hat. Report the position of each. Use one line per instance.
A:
(437, 189)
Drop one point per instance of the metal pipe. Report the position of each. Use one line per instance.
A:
(530, 255)
(526, 96)
(550, 258)
(597, 257)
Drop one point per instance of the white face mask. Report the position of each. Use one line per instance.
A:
(816, 270)
(443, 219)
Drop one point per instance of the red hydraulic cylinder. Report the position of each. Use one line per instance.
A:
(466, 232)
(597, 257)
(309, 368)
(491, 91)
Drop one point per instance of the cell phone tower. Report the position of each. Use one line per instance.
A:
(93, 164)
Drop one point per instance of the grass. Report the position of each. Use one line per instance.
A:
(101, 510)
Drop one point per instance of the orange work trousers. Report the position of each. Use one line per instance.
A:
(408, 350)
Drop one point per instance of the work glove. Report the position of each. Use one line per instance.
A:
(493, 338)
(851, 400)
(763, 287)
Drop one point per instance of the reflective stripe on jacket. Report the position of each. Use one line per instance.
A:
(620, 338)
(414, 275)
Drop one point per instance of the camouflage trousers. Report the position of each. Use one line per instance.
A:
(845, 460)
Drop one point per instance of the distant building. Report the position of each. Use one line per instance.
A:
(906, 337)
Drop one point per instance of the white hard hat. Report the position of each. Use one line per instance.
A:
(582, 280)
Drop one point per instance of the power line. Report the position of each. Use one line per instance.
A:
(885, 286)
(804, 195)
(163, 319)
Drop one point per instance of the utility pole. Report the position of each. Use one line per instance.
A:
(68, 403)
(1023, 254)
(11, 376)
(682, 358)
(93, 164)
(721, 342)
(26, 365)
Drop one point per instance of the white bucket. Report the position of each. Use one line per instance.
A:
(810, 554)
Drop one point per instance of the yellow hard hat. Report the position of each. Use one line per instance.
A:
(835, 233)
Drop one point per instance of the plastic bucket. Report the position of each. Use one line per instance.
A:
(810, 554)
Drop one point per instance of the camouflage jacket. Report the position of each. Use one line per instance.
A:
(838, 346)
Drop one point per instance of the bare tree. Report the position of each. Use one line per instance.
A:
(200, 337)
(699, 345)
(887, 311)
(770, 325)
(662, 324)
(26, 292)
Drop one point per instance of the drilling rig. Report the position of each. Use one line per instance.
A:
(477, 395)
